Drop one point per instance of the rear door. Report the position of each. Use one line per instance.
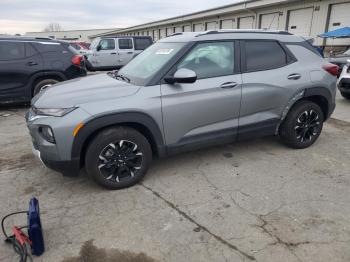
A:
(207, 110)
(271, 77)
(125, 50)
(18, 62)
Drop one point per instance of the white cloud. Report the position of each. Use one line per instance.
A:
(19, 16)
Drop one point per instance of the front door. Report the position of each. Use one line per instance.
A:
(206, 111)
(106, 54)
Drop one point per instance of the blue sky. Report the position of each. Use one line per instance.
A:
(20, 16)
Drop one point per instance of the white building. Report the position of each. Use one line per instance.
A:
(71, 35)
(306, 18)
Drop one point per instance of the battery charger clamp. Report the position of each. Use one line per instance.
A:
(35, 238)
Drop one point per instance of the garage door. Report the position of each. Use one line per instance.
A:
(169, 31)
(178, 29)
(187, 28)
(211, 26)
(300, 21)
(198, 27)
(246, 22)
(228, 24)
(270, 21)
(162, 33)
(339, 18)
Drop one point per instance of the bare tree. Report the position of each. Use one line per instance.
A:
(53, 27)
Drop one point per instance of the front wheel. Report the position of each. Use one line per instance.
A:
(118, 157)
(303, 125)
(41, 85)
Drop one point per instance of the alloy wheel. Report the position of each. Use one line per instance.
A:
(120, 161)
(307, 126)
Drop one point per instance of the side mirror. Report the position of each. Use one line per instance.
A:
(182, 76)
(98, 48)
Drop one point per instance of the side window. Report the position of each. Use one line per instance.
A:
(264, 55)
(125, 43)
(142, 43)
(107, 44)
(11, 50)
(210, 59)
(30, 51)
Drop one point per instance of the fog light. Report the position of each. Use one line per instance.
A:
(47, 133)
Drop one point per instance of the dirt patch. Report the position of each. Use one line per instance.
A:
(227, 155)
(343, 125)
(26, 160)
(90, 253)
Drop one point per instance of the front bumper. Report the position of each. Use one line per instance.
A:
(49, 153)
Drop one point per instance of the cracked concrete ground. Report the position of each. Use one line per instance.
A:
(251, 201)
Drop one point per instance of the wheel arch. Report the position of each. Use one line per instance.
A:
(36, 78)
(142, 122)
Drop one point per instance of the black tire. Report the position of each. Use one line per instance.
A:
(345, 95)
(104, 157)
(302, 126)
(39, 85)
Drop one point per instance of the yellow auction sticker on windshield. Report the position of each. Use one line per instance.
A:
(164, 51)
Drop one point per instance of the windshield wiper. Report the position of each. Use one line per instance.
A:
(115, 75)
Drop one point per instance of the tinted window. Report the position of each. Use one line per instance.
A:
(264, 55)
(142, 43)
(75, 46)
(125, 43)
(44, 47)
(107, 44)
(210, 59)
(11, 50)
(30, 51)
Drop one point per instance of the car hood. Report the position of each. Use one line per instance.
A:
(83, 90)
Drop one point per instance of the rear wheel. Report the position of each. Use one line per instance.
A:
(345, 95)
(42, 84)
(118, 157)
(303, 125)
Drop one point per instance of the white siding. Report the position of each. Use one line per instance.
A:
(246, 22)
(270, 21)
(169, 31)
(340, 17)
(162, 33)
(178, 29)
(300, 21)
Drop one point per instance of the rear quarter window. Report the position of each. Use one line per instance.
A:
(44, 47)
(264, 55)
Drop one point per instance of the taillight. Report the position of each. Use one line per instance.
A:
(332, 69)
(77, 59)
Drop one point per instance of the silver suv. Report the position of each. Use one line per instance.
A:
(184, 92)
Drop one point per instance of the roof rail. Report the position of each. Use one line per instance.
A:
(43, 38)
(174, 34)
(242, 31)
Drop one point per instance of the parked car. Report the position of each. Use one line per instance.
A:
(114, 52)
(27, 65)
(184, 92)
(344, 81)
(340, 60)
(80, 47)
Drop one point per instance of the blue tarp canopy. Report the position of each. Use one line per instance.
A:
(338, 33)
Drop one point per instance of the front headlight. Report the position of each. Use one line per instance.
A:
(53, 111)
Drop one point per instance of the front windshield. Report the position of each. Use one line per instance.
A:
(146, 65)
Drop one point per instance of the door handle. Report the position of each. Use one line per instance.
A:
(294, 76)
(113, 53)
(31, 63)
(229, 85)
(130, 52)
